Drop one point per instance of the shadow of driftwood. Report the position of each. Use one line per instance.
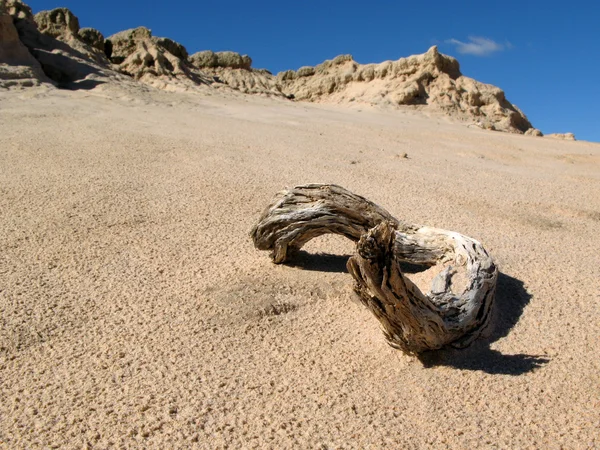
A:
(511, 300)
(328, 262)
(481, 357)
(320, 262)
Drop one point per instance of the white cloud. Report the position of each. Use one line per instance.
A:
(478, 46)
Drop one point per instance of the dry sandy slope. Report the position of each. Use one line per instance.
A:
(135, 311)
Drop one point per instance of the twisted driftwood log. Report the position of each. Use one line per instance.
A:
(454, 312)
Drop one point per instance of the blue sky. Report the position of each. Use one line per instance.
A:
(544, 54)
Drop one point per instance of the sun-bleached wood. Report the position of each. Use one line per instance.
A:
(411, 320)
(456, 309)
(297, 215)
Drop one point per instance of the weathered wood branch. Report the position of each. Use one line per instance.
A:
(297, 215)
(457, 308)
(411, 320)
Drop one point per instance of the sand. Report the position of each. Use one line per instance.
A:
(136, 313)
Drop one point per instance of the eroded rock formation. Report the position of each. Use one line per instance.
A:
(534, 132)
(52, 38)
(431, 79)
(563, 136)
(236, 71)
(18, 68)
(70, 55)
(227, 60)
(62, 25)
(93, 38)
(157, 61)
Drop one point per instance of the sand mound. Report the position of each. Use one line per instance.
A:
(430, 79)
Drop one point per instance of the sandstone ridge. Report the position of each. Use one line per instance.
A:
(431, 79)
(50, 48)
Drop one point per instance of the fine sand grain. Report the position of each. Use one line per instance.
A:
(136, 313)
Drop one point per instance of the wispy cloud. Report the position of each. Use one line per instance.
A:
(478, 46)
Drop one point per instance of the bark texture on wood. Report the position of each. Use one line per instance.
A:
(456, 309)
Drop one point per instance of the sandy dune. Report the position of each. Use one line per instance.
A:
(135, 312)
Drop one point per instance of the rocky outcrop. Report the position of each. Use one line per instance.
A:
(563, 136)
(165, 64)
(125, 43)
(56, 45)
(62, 25)
(235, 71)
(534, 132)
(81, 57)
(430, 79)
(17, 9)
(93, 38)
(59, 23)
(227, 60)
(175, 48)
(253, 81)
(153, 60)
(18, 68)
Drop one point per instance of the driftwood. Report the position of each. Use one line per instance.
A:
(457, 308)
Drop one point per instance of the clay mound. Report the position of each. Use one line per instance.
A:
(160, 62)
(235, 71)
(430, 79)
(18, 68)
